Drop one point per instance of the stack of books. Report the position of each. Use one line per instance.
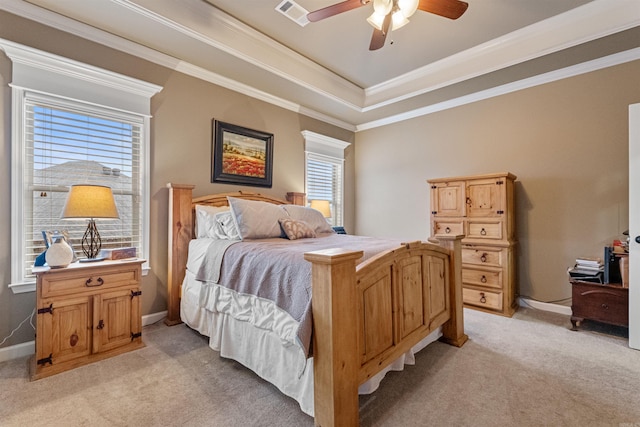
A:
(588, 270)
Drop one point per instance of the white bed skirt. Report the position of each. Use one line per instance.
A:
(264, 351)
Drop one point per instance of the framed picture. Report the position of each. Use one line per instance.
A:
(241, 156)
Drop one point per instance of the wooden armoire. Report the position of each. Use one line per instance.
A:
(480, 207)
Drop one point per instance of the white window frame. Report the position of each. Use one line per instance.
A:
(325, 148)
(38, 72)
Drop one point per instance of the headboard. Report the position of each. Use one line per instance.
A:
(181, 231)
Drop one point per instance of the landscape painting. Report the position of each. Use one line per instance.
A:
(241, 156)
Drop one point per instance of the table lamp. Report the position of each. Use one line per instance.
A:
(90, 201)
(322, 206)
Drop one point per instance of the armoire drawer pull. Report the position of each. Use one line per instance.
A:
(483, 232)
(483, 258)
(447, 230)
(483, 279)
(483, 299)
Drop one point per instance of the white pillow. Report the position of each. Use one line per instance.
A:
(256, 219)
(227, 226)
(313, 217)
(206, 224)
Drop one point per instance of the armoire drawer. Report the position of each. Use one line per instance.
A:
(485, 256)
(484, 229)
(454, 228)
(480, 277)
(482, 298)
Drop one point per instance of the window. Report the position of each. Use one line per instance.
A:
(75, 124)
(324, 171)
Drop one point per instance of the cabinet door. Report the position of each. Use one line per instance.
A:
(63, 330)
(448, 199)
(485, 197)
(116, 319)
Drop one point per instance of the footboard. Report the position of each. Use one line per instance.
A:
(365, 316)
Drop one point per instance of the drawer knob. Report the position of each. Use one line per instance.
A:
(73, 340)
(483, 299)
(100, 324)
(483, 258)
(89, 282)
(483, 279)
(447, 230)
(483, 232)
(605, 306)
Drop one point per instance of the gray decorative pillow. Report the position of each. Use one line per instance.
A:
(296, 229)
(312, 217)
(256, 219)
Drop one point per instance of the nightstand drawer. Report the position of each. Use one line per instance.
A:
(475, 277)
(88, 280)
(482, 256)
(486, 299)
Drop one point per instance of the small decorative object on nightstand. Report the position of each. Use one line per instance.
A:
(59, 254)
(86, 312)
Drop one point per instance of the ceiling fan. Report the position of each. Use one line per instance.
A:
(390, 15)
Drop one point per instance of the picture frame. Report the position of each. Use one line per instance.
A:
(241, 155)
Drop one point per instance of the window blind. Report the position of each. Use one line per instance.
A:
(70, 143)
(324, 182)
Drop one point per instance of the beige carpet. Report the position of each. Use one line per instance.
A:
(529, 370)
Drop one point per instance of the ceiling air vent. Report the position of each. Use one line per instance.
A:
(293, 11)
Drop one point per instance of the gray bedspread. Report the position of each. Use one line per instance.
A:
(275, 269)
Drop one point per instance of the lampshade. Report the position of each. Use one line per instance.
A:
(90, 201)
(322, 206)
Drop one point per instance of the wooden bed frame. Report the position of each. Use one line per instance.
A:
(365, 315)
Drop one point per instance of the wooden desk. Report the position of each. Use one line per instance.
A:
(606, 303)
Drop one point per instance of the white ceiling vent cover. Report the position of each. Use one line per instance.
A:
(293, 11)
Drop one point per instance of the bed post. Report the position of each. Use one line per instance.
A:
(336, 355)
(180, 232)
(453, 330)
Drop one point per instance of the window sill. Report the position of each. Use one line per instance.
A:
(22, 288)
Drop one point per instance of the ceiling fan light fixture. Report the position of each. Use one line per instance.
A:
(408, 7)
(398, 20)
(383, 7)
(376, 20)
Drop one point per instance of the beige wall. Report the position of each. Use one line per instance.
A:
(567, 142)
(180, 150)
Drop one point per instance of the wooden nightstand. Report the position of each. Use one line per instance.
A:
(86, 312)
(606, 303)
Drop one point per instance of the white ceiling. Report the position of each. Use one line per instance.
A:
(325, 69)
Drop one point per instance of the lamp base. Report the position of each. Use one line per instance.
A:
(92, 259)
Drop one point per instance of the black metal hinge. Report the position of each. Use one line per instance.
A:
(499, 212)
(134, 336)
(46, 309)
(135, 294)
(46, 360)
(499, 182)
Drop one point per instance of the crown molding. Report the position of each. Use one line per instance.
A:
(552, 76)
(597, 19)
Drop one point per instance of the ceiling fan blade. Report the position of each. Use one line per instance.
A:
(452, 9)
(379, 36)
(335, 9)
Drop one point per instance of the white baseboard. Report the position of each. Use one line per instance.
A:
(545, 306)
(28, 348)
